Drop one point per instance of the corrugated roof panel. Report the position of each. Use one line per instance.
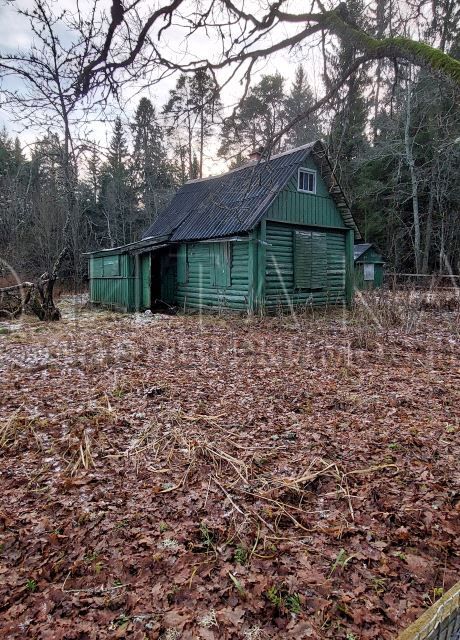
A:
(359, 249)
(231, 203)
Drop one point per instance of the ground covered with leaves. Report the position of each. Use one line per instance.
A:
(225, 478)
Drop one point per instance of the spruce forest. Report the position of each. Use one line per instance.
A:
(392, 132)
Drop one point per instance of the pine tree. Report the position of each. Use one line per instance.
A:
(203, 101)
(178, 111)
(191, 109)
(259, 117)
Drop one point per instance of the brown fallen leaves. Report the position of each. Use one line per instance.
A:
(161, 476)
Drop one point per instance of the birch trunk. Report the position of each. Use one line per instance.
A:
(413, 178)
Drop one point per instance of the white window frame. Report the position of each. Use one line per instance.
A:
(311, 172)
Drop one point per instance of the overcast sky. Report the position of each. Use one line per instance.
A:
(15, 35)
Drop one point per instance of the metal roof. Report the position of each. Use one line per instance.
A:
(360, 249)
(236, 201)
(146, 244)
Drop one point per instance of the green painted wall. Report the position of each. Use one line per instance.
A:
(112, 281)
(197, 287)
(276, 259)
(305, 208)
(280, 291)
(255, 274)
(145, 280)
(371, 256)
(362, 284)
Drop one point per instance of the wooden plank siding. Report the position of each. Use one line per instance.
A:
(305, 208)
(362, 284)
(371, 256)
(280, 291)
(145, 281)
(255, 272)
(201, 290)
(117, 291)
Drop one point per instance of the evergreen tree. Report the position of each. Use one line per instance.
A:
(190, 109)
(298, 100)
(149, 166)
(11, 196)
(347, 137)
(195, 168)
(116, 192)
(94, 170)
(45, 227)
(90, 199)
(180, 116)
(18, 155)
(204, 102)
(259, 117)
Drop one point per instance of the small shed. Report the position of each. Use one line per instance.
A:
(272, 234)
(368, 266)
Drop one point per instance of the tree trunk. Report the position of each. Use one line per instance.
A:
(413, 179)
(429, 225)
(377, 99)
(201, 142)
(190, 145)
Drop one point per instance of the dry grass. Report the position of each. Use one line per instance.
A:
(315, 451)
(83, 457)
(19, 426)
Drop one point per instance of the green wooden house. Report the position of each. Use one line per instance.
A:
(272, 234)
(369, 265)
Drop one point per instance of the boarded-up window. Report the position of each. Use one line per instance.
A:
(310, 260)
(220, 264)
(97, 270)
(105, 267)
(182, 264)
(369, 272)
(111, 266)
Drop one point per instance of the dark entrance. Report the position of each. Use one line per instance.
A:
(163, 278)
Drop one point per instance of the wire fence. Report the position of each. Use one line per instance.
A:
(435, 281)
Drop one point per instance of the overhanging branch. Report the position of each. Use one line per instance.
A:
(335, 22)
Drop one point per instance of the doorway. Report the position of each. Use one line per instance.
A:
(163, 278)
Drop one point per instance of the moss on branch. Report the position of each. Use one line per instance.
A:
(418, 53)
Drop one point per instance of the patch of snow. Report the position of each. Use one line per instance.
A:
(170, 544)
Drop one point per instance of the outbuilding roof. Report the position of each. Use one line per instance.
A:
(360, 249)
(236, 201)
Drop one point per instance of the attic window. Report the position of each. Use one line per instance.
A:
(306, 181)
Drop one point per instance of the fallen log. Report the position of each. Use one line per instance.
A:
(32, 297)
(15, 299)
